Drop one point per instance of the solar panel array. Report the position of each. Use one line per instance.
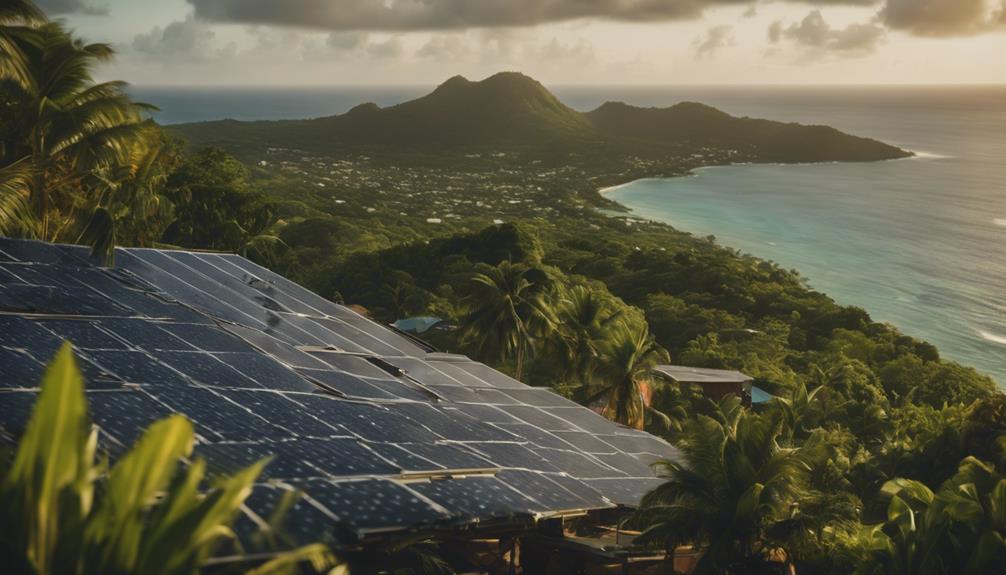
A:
(379, 432)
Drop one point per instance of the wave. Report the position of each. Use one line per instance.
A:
(921, 155)
(1000, 222)
(993, 337)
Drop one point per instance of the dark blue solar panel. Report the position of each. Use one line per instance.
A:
(46, 253)
(582, 418)
(205, 369)
(536, 435)
(215, 417)
(451, 423)
(454, 393)
(403, 458)
(299, 458)
(487, 413)
(83, 334)
(206, 338)
(265, 293)
(402, 389)
(15, 409)
(448, 455)
(133, 366)
(124, 414)
(18, 332)
(353, 364)
(268, 372)
(19, 370)
(33, 298)
(476, 497)
(372, 504)
(627, 491)
(145, 334)
(284, 412)
(625, 463)
(586, 442)
(539, 418)
(491, 376)
(304, 523)
(181, 290)
(638, 443)
(540, 397)
(461, 376)
(346, 384)
(277, 348)
(514, 455)
(577, 464)
(547, 493)
(370, 422)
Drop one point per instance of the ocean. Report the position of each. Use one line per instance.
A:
(919, 243)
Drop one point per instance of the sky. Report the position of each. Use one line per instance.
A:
(599, 42)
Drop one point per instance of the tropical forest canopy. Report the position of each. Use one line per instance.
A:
(877, 455)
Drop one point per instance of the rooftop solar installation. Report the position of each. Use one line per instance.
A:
(380, 433)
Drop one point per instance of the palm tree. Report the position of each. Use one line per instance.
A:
(585, 321)
(74, 135)
(733, 485)
(625, 365)
(507, 309)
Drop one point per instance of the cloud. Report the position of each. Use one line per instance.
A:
(942, 17)
(60, 7)
(815, 34)
(400, 15)
(446, 48)
(714, 39)
(186, 39)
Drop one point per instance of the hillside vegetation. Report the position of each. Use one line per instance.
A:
(512, 111)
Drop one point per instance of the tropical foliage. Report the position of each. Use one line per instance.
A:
(64, 510)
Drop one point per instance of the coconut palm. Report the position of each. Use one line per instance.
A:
(508, 309)
(624, 367)
(584, 321)
(74, 135)
(733, 485)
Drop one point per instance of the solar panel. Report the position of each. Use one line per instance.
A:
(380, 434)
(480, 497)
(372, 505)
(18, 369)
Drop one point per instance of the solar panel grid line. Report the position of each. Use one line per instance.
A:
(169, 263)
(229, 282)
(252, 282)
(183, 290)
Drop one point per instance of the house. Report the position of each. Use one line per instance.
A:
(388, 440)
(716, 383)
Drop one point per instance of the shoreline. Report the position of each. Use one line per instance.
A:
(693, 172)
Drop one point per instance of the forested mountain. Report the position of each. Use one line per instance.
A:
(512, 111)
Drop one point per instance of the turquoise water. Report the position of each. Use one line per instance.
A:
(920, 243)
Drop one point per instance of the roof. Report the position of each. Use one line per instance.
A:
(682, 374)
(417, 324)
(759, 395)
(381, 435)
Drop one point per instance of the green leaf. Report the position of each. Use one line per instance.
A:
(49, 484)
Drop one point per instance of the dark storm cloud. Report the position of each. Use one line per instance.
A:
(61, 7)
(393, 15)
(941, 17)
(917, 17)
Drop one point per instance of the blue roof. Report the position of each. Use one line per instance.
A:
(759, 395)
(417, 324)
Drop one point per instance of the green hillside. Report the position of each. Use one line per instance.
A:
(512, 111)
